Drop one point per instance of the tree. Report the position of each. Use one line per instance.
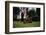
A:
(15, 12)
(31, 13)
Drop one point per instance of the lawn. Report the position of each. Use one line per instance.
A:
(18, 24)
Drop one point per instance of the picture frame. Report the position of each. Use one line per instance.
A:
(8, 19)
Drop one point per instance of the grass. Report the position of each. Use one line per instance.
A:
(18, 24)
